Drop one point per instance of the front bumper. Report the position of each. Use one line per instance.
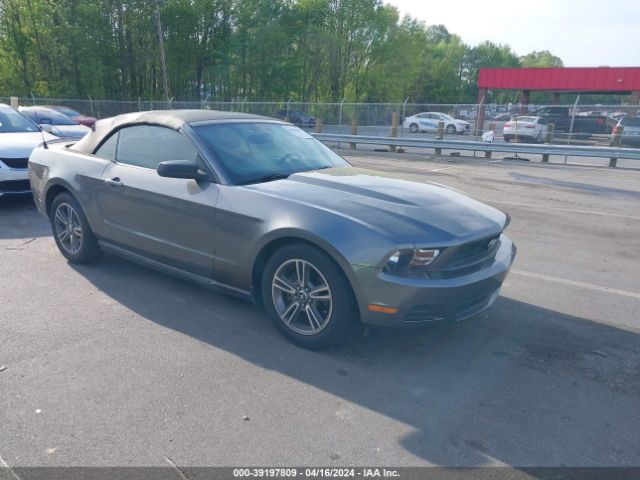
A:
(423, 301)
(14, 182)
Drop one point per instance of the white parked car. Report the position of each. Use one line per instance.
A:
(428, 122)
(18, 137)
(54, 122)
(528, 129)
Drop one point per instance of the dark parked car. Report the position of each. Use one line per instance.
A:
(77, 116)
(296, 117)
(502, 117)
(54, 122)
(581, 125)
(262, 210)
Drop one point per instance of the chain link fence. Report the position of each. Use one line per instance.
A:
(565, 124)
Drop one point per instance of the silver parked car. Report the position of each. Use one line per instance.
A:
(260, 209)
(631, 132)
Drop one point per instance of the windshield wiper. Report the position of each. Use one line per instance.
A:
(267, 178)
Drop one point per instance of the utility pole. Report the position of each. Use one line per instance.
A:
(162, 60)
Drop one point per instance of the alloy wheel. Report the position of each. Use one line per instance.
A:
(68, 229)
(302, 297)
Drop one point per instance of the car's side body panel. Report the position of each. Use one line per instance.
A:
(79, 173)
(170, 219)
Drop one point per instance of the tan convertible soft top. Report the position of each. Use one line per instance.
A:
(174, 119)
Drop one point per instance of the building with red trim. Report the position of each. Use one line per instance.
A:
(557, 80)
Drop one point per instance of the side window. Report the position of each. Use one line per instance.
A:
(146, 146)
(108, 148)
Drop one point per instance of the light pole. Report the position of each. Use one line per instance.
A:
(162, 60)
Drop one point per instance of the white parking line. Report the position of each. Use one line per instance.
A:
(573, 283)
(176, 468)
(6, 465)
(566, 209)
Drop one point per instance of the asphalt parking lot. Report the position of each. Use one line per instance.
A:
(114, 364)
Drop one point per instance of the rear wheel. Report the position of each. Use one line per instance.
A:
(539, 137)
(71, 230)
(307, 297)
(413, 128)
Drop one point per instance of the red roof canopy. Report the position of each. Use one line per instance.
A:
(582, 79)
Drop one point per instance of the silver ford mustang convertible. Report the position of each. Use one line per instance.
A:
(260, 209)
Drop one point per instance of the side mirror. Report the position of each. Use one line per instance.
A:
(181, 169)
(46, 127)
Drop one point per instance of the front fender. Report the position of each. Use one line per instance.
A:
(295, 234)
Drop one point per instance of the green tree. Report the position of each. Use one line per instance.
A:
(221, 50)
(543, 58)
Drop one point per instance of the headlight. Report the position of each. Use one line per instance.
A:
(406, 261)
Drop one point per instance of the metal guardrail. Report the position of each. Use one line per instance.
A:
(530, 148)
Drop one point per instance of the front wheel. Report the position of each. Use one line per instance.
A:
(307, 297)
(71, 230)
(413, 128)
(451, 129)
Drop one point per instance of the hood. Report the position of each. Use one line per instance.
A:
(20, 144)
(406, 211)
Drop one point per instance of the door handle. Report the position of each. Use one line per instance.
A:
(114, 182)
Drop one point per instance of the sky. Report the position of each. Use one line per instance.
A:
(583, 33)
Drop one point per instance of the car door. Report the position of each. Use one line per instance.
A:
(422, 121)
(168, 219)
(431, 122)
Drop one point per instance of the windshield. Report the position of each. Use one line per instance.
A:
(56, 118)
(68, 111)
(12, 121)
(251, 151)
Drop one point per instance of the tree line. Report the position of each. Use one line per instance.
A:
(226, 50)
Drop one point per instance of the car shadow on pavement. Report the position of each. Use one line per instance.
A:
(518, 385)
(19, 221)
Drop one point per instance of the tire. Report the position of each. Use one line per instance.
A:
(451, 129)
(79, 245)
(318, 321)
(539, 138)
(413, 128)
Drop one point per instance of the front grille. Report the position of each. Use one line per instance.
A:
(15, 186)
(468, 258)
(15, 162)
